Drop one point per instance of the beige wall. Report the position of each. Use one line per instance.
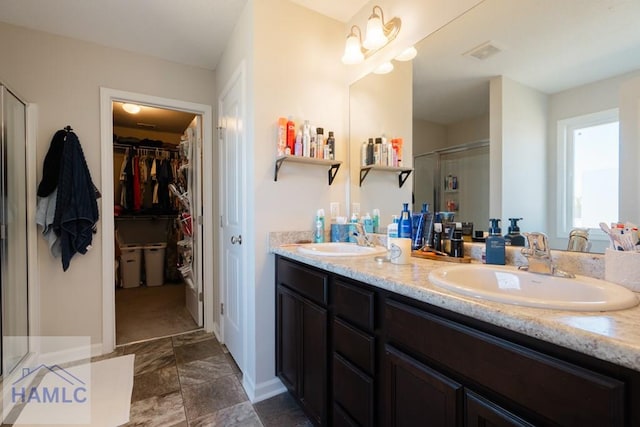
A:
(63, 77)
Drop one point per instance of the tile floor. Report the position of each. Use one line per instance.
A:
(191, 380)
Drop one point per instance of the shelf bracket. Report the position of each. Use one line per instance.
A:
(278, 164)
(333, 171)
(363, 174)
(402, 177)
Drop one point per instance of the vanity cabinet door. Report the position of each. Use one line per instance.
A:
(288, 340)
(301, 336)
(483, 413)
(418, 395)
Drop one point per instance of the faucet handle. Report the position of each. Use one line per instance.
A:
(538, 244)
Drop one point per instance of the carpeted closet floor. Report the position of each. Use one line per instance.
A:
(151, 312)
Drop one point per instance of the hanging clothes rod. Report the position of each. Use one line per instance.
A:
(144, 147)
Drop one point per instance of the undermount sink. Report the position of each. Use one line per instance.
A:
(340, 249)
(512, 286)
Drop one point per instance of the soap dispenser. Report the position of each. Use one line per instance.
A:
(514, 238)
(495, 244)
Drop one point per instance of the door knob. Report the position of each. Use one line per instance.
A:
(237, 240)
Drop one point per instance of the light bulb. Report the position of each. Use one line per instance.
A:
(352, 50)
(375, 37)
(131, 108)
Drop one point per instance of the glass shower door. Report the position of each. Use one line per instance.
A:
(13, 232)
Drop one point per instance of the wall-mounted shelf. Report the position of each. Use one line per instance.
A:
(403, 173)
(333, 165)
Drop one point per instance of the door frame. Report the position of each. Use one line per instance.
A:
(107, 96)
(238, 77)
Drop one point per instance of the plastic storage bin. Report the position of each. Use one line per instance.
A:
(130, 265)
(154, 263)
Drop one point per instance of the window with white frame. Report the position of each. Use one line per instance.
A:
(588, 171)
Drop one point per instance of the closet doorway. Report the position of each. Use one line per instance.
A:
(156, 189)
(155, 238)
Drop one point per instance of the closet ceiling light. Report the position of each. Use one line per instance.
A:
(379, 34)
(131, 108)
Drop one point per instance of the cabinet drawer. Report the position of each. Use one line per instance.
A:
(355, 346)
(355, 305)
(353, 391)
(542, 384)
(309, 283)
(341, 418)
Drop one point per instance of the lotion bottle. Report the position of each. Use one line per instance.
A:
(495, 244)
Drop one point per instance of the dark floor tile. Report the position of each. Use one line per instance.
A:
(207, 398)
(240, 415)
(192, 338)
(151, 355)
(204, 370)
(196, 351)
(281, 410)
(164, 410)
(155, 383)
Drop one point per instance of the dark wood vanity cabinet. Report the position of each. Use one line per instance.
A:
(355, 355)
(301, 335)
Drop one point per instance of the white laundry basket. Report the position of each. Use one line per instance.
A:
(130, 265)
(154, 263)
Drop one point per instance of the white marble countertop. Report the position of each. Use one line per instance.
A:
(613, 336)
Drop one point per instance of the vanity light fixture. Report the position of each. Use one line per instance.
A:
(384, 68)
(379, 34)
(131, 108)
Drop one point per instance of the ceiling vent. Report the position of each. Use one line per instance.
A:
(146, 125)
(483, 51)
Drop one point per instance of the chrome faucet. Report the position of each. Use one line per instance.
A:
(538, 254)
(362, 239)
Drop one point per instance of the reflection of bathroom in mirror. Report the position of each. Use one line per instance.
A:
(513, 73)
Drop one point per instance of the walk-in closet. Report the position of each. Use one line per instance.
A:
(157, 197)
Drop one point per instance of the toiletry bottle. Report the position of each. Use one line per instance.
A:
(376, 220)
(331, 142)
(405, 228)
(282, 137)
(392, 230)
(370, 149)
(367, 223)
(457, 245)
(319, 143)
(495, 245)
(363, 153)
(291, 135)
(377, 151)
(318, 235)
(514, 238)
(312, 142)
(354, 218)
(417, 232)
(437, 236)
(298, 145)
(384, 155)
(306, 139)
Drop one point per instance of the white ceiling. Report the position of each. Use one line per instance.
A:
(340, 10)
(192, 32)
(548, 45)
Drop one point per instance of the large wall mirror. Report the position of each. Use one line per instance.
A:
(505, 98)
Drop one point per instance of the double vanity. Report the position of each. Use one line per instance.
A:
(364, 342)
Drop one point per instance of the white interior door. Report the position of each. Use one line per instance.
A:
(232, 216)
(193, 289)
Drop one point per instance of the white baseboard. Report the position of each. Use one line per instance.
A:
(216, 331)
(264, 390)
